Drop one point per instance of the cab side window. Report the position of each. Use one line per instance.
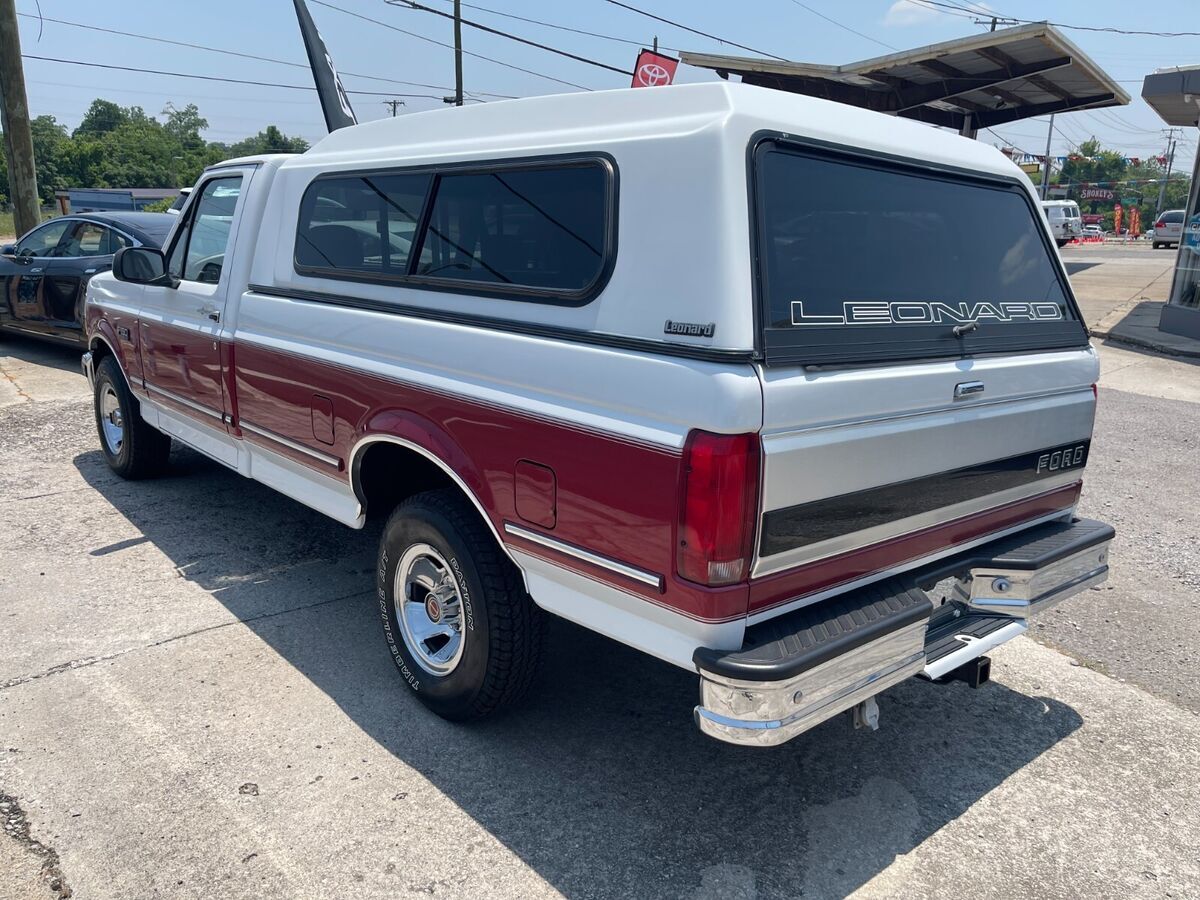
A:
(198, 253)
(42, 241)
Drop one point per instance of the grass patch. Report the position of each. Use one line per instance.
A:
(8, 230)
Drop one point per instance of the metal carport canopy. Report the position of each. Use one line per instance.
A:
(966, 84)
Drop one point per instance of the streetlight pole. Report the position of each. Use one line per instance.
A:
(458, 78)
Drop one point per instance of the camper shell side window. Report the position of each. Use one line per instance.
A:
(542, 230)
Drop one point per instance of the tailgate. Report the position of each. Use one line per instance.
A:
(860, 457)
(926, 382)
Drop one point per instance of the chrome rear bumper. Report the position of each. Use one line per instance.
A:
(799, 670)
(1023, 593)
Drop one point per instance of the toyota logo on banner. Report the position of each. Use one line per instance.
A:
(653, 69)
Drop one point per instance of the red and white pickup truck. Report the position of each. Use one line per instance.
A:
(722, 373)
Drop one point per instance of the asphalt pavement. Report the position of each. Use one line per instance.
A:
(195, 701)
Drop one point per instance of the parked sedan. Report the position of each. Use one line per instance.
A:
(44, 275)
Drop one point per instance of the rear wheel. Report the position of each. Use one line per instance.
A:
(463, 633)
(1155, 245)
(131, 448)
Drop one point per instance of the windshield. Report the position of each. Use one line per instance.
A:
(862, 260)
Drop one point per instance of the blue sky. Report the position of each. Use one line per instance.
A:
(266, 30)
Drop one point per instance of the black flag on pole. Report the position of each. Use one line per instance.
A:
(334, 102)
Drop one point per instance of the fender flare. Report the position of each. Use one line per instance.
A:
(103, 334)
(364, 442)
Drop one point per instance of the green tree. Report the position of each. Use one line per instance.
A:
(123, 147)
(51, 155)
(270, 140)
(102, 117)
(185, 125)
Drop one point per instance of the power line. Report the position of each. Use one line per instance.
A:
(430, 40)
(274, 84)
(711, 37)
(240, 54)
(844, 27)
(512, 37)
(1108, 29)
(583, 31)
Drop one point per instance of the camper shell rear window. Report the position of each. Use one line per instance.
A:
(542, 230)
(866, 259)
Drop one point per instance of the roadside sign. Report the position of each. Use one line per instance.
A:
(653, 69)
(1096, 193)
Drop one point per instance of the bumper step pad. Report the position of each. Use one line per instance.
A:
(796, 670)
(788, 645)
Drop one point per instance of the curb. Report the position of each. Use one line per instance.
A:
(1144, 344)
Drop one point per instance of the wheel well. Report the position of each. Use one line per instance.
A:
(386, 473)
(100, 349)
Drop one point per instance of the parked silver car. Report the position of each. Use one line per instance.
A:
(1168, 229)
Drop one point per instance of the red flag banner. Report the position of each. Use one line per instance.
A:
(653, 69)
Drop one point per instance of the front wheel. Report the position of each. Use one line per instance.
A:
(461, 630)
(131, 448)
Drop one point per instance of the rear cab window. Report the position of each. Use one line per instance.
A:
(540, 231)
(870, 260)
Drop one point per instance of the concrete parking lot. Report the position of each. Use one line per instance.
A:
(195, 702)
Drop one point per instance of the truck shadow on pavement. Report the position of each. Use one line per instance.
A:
(599, 782)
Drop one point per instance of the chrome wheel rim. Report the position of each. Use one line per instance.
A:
(112, 423)
(429, 609)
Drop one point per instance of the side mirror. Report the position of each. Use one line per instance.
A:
(8, 250)
(142, 265)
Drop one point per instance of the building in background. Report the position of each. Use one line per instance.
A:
(77, 200)
(1175, 95)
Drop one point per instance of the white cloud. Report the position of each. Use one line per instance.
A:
(903, 13)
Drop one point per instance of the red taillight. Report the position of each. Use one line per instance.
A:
(1096, 392)
(719, 491)
(1160, 224)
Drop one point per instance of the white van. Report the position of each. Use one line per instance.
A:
(1065, 221)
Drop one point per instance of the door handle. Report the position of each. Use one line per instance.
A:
(88, 271)
(211, 311)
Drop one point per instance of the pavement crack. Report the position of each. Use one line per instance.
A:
(16, 385)
(88, 661)
(16, 826)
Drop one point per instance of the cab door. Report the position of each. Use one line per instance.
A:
(23, 277)
(181, 326)
(85, 250)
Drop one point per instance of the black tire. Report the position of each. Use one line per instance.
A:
(1155, 245)
(501, 629)
(142, 451)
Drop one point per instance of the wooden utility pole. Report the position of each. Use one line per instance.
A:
(393, 105)
(1046, 170)
(1162, 187)
(458, 93)
(14, 119)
